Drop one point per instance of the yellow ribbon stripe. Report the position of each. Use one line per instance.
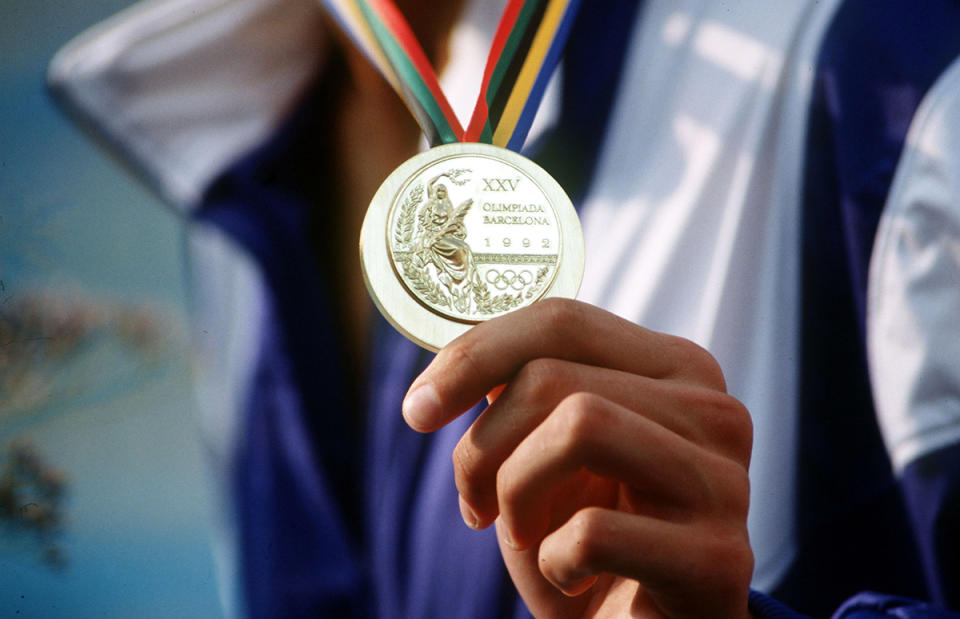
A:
(528, 73)
(355, 24)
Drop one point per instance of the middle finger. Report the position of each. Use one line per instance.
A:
(707, 418)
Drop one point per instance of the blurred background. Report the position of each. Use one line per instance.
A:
(104, 503)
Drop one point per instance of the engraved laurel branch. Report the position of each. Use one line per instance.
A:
(487, 304)
(415, 270)
(404, 232)
(412, 264)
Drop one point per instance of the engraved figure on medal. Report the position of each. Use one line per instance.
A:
(473, 237)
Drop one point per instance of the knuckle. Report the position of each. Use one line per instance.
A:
(469, 469)
(736, 428)
(725, 489)
(726, 422)
(575, 419)
(732, 551)
(509, 494)
(558, 315)
(461, 356)
(735, 491)
(699, 363)
(741, 497)
(587, 530)
(540, 380)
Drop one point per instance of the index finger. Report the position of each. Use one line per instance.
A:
(491, 353)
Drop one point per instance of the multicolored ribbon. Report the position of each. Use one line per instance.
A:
(525, 50)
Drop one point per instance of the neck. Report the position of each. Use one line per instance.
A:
(373, 132)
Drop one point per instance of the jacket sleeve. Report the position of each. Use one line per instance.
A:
(913, 332)
(181, 90)
(862, 606)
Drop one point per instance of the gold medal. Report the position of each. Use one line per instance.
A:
(467, 231)
(463, 233)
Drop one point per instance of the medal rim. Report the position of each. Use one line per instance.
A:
(402, 309)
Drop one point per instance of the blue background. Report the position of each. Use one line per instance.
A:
(119, 424)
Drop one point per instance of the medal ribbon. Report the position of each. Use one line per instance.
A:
(526, 49)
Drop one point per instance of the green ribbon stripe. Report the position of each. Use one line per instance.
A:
(424, 105)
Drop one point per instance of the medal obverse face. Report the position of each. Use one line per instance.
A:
(463, 233)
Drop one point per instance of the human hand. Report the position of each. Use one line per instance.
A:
(613, 462)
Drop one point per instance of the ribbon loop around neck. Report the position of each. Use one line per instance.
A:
(526, 49)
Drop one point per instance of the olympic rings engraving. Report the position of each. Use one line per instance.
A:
(509, 279)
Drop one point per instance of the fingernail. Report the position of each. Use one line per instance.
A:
(468, 516)
(579, 586)
(421, 407)
(502, 532)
